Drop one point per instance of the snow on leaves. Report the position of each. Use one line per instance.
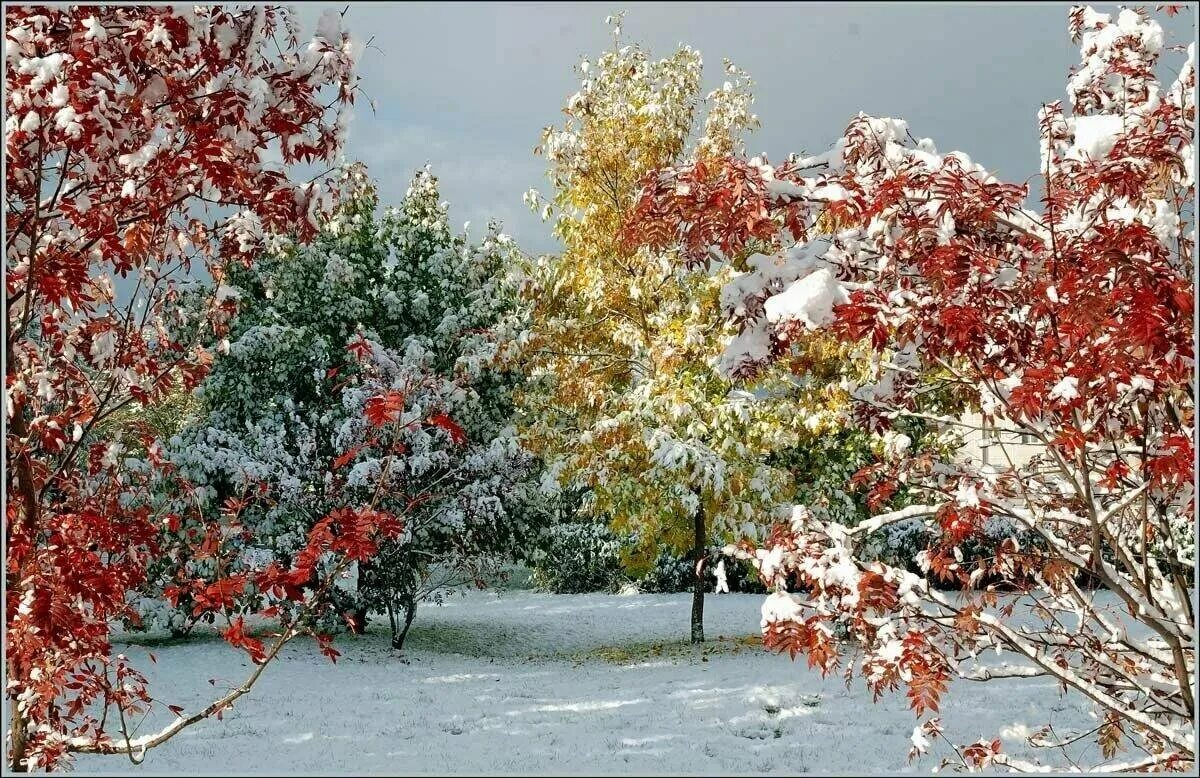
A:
(1071, 325)
(125, 126)
(368, 362)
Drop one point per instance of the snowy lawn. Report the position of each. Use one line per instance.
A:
(518, 682)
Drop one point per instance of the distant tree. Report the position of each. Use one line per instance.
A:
(159, 420)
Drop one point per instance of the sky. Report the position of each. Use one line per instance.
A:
(467, 87)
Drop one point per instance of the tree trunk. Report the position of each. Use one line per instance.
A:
(19, 428)
(17, 740)
(410, 613)
(358, 620)
(391, 611)
(699, 542)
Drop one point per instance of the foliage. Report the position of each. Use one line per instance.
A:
(428, 316)
(136, 142)
(1072, 325)
(160, 419)
(623, 400)
(669, 572)
(578, 557)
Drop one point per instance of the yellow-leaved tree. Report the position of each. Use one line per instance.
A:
(624, 398)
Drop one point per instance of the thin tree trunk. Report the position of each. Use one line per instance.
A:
(391, 611)
(17, 740)
(699, 542)
(19, 428)
(358, 621)
(410, 613)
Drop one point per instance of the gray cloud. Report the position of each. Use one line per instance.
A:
(467, 87)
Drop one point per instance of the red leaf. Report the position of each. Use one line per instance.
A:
(342, 460)
(457, 435)
(360, 348)
(384, 408)
(325, 644)
(236, 636)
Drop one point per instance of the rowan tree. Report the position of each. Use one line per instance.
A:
(138, 143)
(1071, 324)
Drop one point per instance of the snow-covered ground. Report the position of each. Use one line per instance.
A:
(518, 682)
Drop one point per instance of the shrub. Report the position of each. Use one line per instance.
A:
(669, 573)
(578, 557)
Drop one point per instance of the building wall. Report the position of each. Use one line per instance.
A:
(985, 446)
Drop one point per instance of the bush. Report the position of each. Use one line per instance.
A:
(578, 557)
(742, 577)
(285, 411)
(673, 573)
(669, 573)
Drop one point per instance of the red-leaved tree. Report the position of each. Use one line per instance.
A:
(1071, 325)
(142, 144)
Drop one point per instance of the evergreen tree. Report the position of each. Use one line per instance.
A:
(392, 317)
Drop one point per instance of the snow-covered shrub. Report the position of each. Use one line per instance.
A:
(670, 572)
(382, 317)
(579, 556)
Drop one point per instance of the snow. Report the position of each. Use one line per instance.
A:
(895, 444)
(103, 348)
(1095, 136)
(833, 158)
(43, 69)
(67, 120)
(158, 37)
(1066, 390)
(59, 96)
(809, 301)
(920, 742)
(751, 345)
(140, 158)
(95, 30)
(830, 192)
(519, 682)
(945, 229)
(967, 495)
